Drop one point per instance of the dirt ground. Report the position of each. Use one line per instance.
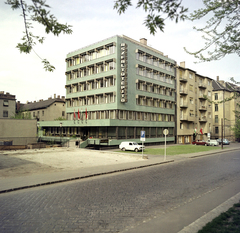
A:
(27, 162)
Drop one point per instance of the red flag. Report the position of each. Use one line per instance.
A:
(74, 115)
(78, 114)
(86, 113)
(201, 131)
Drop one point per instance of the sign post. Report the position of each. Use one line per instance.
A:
(142, 138)
(165, 132)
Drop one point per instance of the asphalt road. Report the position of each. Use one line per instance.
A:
(121, 201)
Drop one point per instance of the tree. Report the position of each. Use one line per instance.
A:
(22, 115)
(158, 11)
(236, 129)
(37, 12)
(222, 30)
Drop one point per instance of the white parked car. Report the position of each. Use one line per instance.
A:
(212, 142)
(131, 146)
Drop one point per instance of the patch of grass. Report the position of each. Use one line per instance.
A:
(177, 150)
(227, 222)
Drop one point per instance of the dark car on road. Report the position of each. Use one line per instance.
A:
(203, 143)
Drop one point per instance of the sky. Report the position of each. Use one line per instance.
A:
(23, 75)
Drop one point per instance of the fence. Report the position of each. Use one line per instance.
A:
(18, 141)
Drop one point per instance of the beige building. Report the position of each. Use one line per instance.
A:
(19, 132)
(7, 105)
(194, 112)
(46, 110)
(223, 111)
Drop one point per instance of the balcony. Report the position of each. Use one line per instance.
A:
(203, 119)
(183, 105)
(183, 80)
(185, 117)
(201, 96)
(202, 85)
(202, 108)
(183, 92)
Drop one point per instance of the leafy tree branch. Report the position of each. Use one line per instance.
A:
(37, 12)
(157, 12)
(222, 30)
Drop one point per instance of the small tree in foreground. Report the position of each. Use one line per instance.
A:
(236, 129)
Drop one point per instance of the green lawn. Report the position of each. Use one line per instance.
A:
(226, 222)
(177, 150)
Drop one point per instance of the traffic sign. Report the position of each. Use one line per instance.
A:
(165, 131)
(142, 138)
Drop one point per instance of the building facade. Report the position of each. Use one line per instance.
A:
(45, 110)
(7, 105)
(19, 131)
(194, 111)
(224, 111)
(117, 88)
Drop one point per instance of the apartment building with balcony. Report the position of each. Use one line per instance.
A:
(117, 88)
(194, 111)
(223, 108)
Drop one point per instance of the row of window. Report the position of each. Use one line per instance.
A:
(91, 100)
(37, 114)
(125, 115)
(154, 74)
(155, 61)
(91, 55)
(191, 114)
(90, 70)
(111, 132)
(200, 81)
(91, 84)
(150, 87)
(152, 102)
(183, 89)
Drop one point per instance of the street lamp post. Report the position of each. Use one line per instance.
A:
(39, 135)
(61, 133)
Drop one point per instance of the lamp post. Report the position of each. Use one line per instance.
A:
(61, 133)
(39, 135)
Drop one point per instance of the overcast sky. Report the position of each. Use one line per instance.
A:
(93, 20)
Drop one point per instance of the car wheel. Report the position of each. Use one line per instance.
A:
(136, 149)
(123, 149)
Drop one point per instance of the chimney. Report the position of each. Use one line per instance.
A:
(182, 64)
(58, 96)
(54, 96)
(63, 97)
(143, 41)
(218, 78)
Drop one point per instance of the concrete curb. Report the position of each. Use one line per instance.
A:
(201, 222)
(213, 152)
(82, 177)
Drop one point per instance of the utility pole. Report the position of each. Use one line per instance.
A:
(222, 132)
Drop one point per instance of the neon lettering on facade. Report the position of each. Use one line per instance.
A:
(124, 72)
